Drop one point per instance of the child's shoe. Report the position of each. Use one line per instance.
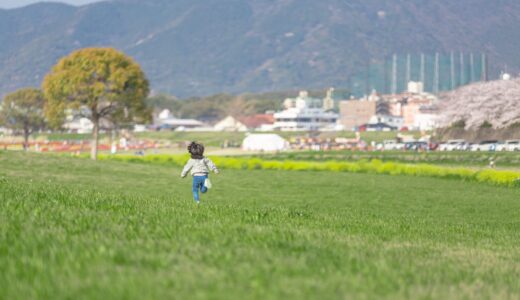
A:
(207, 183)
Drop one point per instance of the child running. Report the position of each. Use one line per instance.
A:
(200, 167)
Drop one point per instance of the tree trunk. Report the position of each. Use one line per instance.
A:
(95, 140)
(26, 140)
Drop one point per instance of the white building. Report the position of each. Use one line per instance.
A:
(264, 142)
(426, 121)
(166, 120)
(394, 121)
(304, 113)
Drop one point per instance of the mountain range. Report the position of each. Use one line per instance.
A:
(200, 47)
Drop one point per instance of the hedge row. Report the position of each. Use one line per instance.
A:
(495, 177)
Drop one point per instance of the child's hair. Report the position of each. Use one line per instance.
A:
(196, 150)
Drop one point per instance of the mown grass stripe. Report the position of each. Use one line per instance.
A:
(490, 176)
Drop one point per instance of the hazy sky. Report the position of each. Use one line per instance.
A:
(19, 3)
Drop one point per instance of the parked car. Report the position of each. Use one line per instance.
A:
(454, 145)
(433, 146)
(416, 146)
(509, 145)
(485, 146)
(392, 145)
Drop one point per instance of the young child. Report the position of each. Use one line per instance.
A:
(200, 167)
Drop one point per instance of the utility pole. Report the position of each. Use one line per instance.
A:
(367, 78)
(452, 70)
(471, 67)
(436, 75)
(394, 75)
(462, 69)
(408, 68)
(386, 75)
(484, 75)
(423, 69)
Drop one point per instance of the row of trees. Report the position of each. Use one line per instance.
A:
(101, 84)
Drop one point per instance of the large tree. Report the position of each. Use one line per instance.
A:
(22, 111)
(98, 84)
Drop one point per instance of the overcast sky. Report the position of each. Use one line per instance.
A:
(20, 3)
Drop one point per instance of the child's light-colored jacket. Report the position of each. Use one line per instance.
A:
(199, 167)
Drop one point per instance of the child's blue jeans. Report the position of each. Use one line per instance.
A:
(198, 184)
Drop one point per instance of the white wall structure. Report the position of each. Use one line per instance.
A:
(264, 142)
(426, 121)
(304, 113)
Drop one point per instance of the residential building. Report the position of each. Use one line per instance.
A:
(166, 120)
(304, 113)
(356, 112)
(230, 123)
(417, 108)
(260, 122)
(393, 121)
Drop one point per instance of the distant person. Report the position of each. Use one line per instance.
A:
(200, 167)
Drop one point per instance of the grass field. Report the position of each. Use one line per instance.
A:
(72, 228)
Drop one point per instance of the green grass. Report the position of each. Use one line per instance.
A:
(76, 229)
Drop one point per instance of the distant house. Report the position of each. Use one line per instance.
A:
(230, 124)
(392, 121)
(166, 121)
(376, 127)
(261, 122)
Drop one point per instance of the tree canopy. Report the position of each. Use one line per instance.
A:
(485, 104)
(98, 84)
(23, 111)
